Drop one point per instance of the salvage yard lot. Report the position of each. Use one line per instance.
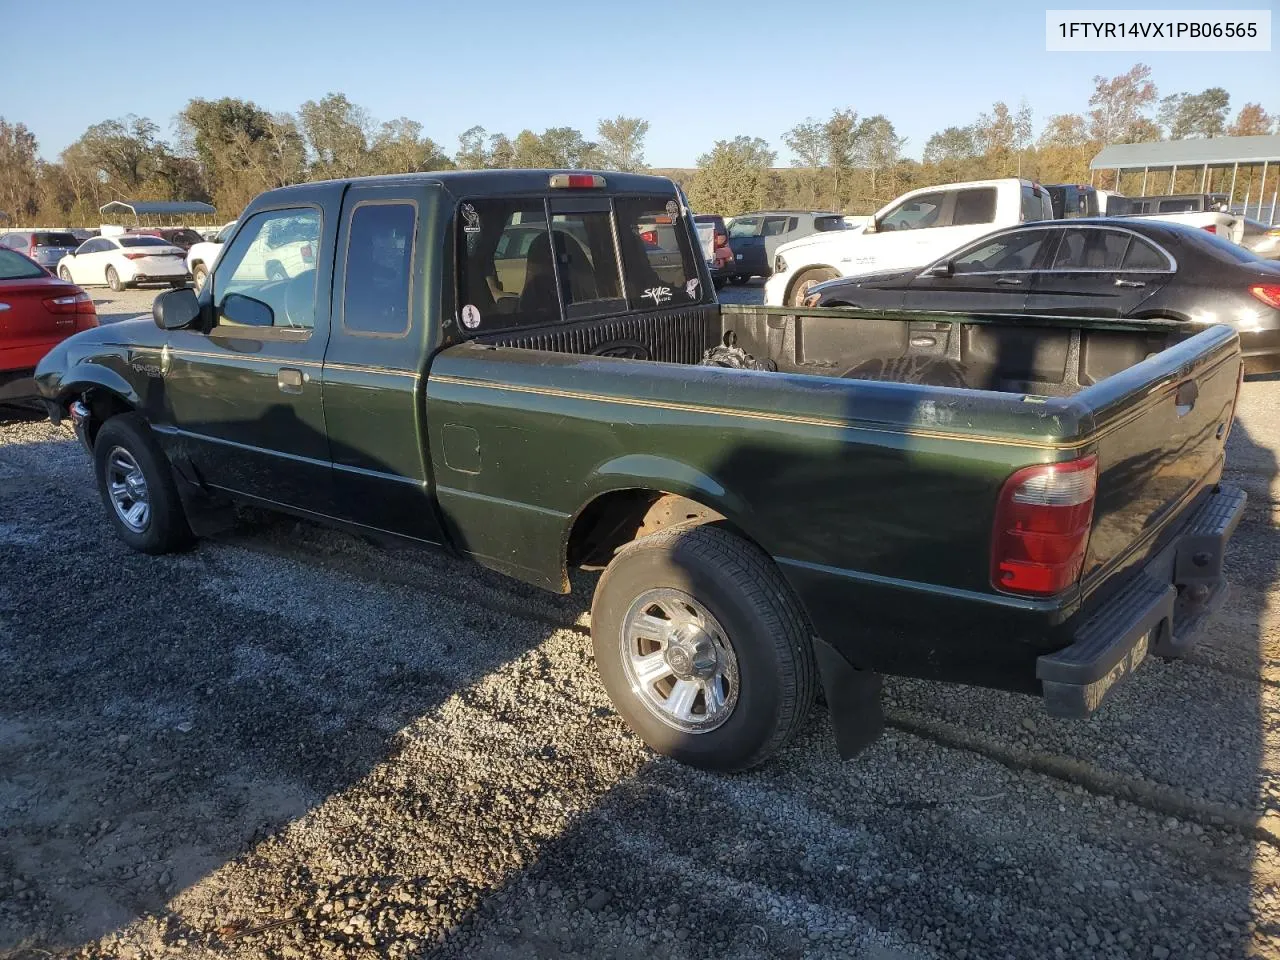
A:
(289, 742)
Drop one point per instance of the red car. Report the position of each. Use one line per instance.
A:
(37, 311)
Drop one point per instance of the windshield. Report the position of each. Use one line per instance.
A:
(143, 242)
(54, 240)
(14, 266)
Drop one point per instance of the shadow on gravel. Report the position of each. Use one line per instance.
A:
(162, 716)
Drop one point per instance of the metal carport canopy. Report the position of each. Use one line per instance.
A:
(1215, 151)
(159, 208)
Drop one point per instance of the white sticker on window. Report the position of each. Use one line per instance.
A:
(659, 295)
(673, 208)
(473, 219)
(470, 316)
(691, 288)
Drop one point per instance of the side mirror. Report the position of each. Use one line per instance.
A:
(247, 312)
(176, 309)
(943, 268)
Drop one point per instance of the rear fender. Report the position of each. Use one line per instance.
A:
(648, 472)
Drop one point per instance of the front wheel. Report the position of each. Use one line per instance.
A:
(702, 647)
(806, 281)
(113, 280)
(137, 487)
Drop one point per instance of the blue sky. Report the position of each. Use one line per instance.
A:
(699, 72)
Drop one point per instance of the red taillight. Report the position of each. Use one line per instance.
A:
(576, 180)
(136, 256)
(650, 237)
(72, 303)
(307, 253)
(1212, 228)
(1268, 293)
(1042, 527)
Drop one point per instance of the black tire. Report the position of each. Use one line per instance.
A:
(199, 274)
(740, 278)
(768, 633)
(800, 286)
(113, 280)
(718, 282)
(166, 529)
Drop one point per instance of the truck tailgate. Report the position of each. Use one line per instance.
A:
(1160, 430)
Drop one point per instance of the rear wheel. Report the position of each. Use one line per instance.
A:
(807, 280)
(702, 647)
(113, 280)
(137, 487)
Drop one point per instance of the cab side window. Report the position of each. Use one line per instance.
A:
(1091, 250)
(267, 277)
(917, 213)
(379, 269)
(975, 206)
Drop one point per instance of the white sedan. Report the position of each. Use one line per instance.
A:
(125, 261)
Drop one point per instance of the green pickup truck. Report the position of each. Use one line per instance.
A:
(507, 365)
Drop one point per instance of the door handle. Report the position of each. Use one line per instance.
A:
(1129, 283)
(1009, 281)
(289, 380)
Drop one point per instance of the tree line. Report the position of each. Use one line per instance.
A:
(227, 151)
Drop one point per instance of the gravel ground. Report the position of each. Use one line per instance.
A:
(291, 743)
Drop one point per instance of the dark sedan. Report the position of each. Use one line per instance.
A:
(1091, 268)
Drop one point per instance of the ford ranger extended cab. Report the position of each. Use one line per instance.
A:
(911, 231)
(498, 364)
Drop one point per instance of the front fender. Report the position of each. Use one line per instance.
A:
(61, 376)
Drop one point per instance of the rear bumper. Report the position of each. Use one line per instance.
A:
(1159, 611)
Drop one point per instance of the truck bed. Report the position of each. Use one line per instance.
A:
(870, 496)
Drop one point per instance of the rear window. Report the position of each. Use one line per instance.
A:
(55, 240)
(517, 267)
(1033, 205)
(1220, 247)
(14, 266)
(823, 224)
(658, 274)
(143, 242)
(1188, 205)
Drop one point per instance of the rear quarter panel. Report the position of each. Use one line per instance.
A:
(874, 498)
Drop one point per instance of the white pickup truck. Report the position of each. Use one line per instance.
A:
(914, 230)
(1208, 211)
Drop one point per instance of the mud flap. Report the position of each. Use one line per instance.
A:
(206, 515)
(853, 700)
